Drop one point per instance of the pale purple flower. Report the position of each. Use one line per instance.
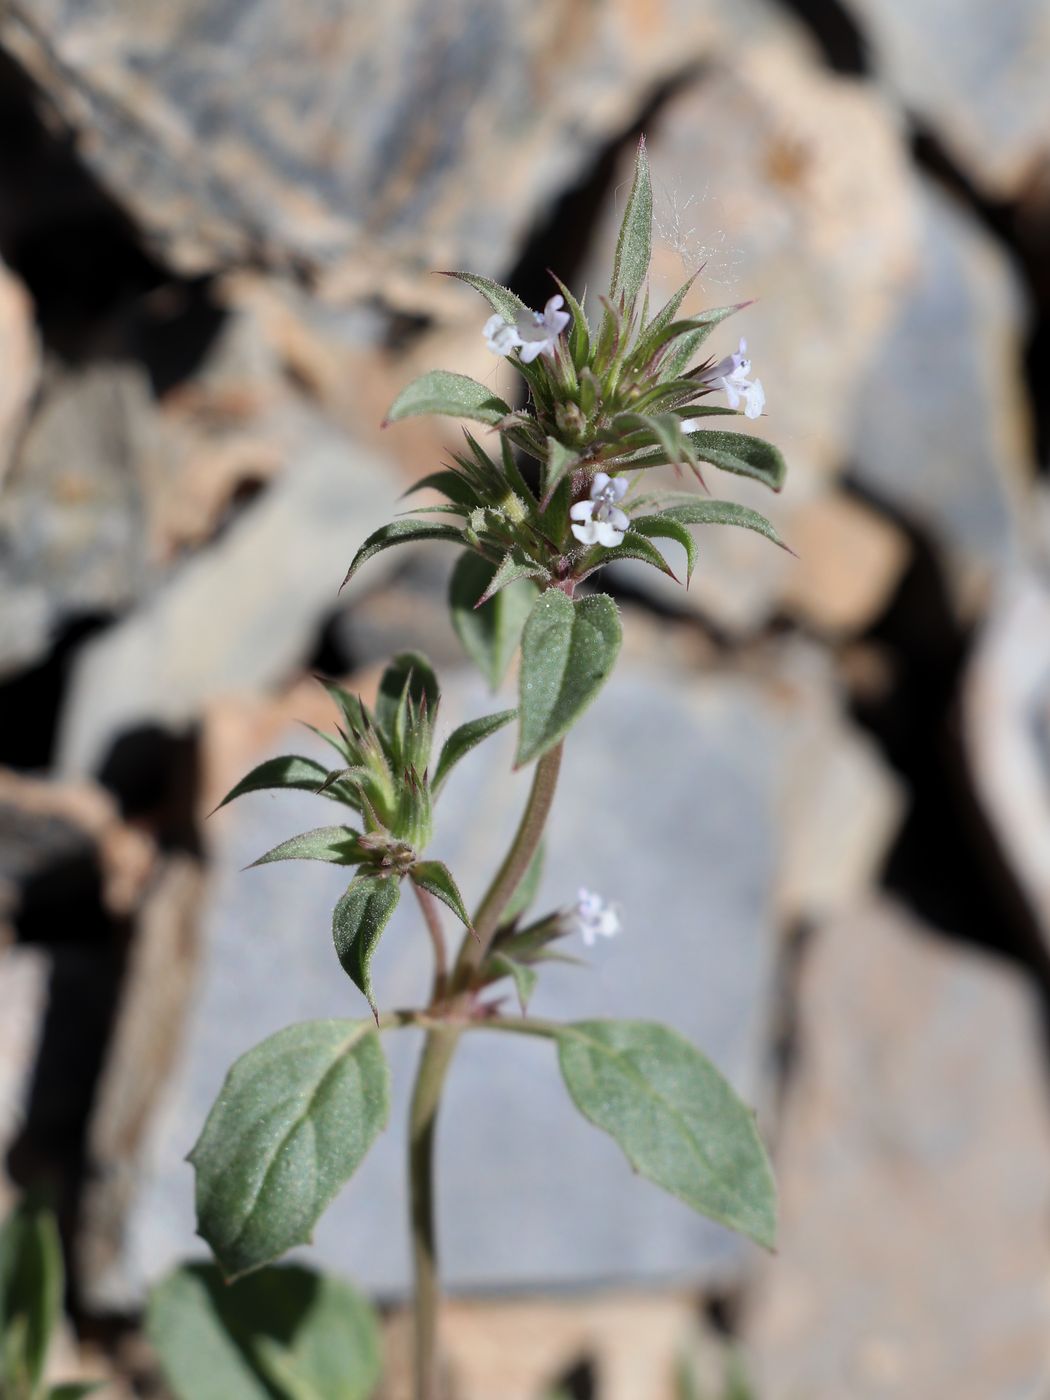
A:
(731, 375)
(533, 332)
(601, 521)
(592, 918)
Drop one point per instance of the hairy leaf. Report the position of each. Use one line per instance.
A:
(436, 878)
(678, 1120)
(31, 1283)
(723, 513)
(288, 771)
(335, 844)
(401, 531)
(441, 391)
(501, 299)
(567, 652)
(285, 1331)
(741, 454)
(467, 737)
(523, 976)
(292, 1122)
(634, 244)
(659, 527)
(634, 545)
(490, 632)
(357, 924)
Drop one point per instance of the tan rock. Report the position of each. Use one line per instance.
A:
(850, 559)
(20, 357)
(914, 1173)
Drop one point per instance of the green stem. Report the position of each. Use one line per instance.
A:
(437, 1055)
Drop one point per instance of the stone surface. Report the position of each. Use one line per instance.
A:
(805, 203)
(24, 976)
(974, 73)
(693, 853)
(1006, 731)
(20, 357)
(245, 613)
(914, 1171)
(320, 134)
(74, 515)
(953, 454)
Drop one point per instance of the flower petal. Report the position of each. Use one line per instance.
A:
(607, 534)
(582, 510)
(587, 533)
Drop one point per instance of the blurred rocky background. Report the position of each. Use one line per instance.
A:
(218, 225)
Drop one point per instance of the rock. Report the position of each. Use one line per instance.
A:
(1006, 733)
(20, 356)
(914, 1171)
(75, 513)
(24, 976)
(691, 849)
(317, 137)
(807, 206)
(954, 457)
(243, 614)
(975, 75)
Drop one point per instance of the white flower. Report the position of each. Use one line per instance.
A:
(601, 520)
(592, 918)
(533, 332)
(731, 376)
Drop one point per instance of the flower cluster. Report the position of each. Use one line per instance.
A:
(532, 332)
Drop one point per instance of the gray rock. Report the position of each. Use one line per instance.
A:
(242, 614)
(975, 74)
(954, 456)
(331, 131)
(1006, 731)
(684, 835)
(74, 534)
(24, 976)
(914, 1171)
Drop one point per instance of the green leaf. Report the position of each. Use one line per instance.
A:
(634, 244)
(580, 335)
(357, 924)
(560, 461)
(401, 531)
(567, 652)
(501, 299)
(31, 1284)
(741, 454)
(633, 546)
(658, 527)
(436, 878)
(450, 483)
(335, 844)
(523, 976)
(455, 395)
(490, 632)
(678, 1120)
(75, 1390)
(408, 674)
(465, 738)
(723, 513)
(292, 1122)
(288, 771)
(677, 359)
(284, 1331)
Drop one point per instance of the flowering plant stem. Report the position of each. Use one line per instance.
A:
(438, 1049)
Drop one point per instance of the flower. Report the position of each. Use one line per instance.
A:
(601, 520)
(592, 918)
(731, 376)
(533, 332)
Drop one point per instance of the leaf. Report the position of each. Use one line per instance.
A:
(501, 299)
(357, 924)
(31, 1284)
(335, 844)
(293, 1120)
(436, 879)
(523, 976)
(467, 737)
(409, 673)
(490, 632)
(567, 652)
(560, 461)
(741, 454)
(580, 335)
(633, 546)
(723, 513)
(288, 771)
(678, 356)
(658, 527)
(450, 483)
(285, 1331)
(401, 531)
(75, 1390)
(634, 244)
(678, 1120)
(455, 395)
